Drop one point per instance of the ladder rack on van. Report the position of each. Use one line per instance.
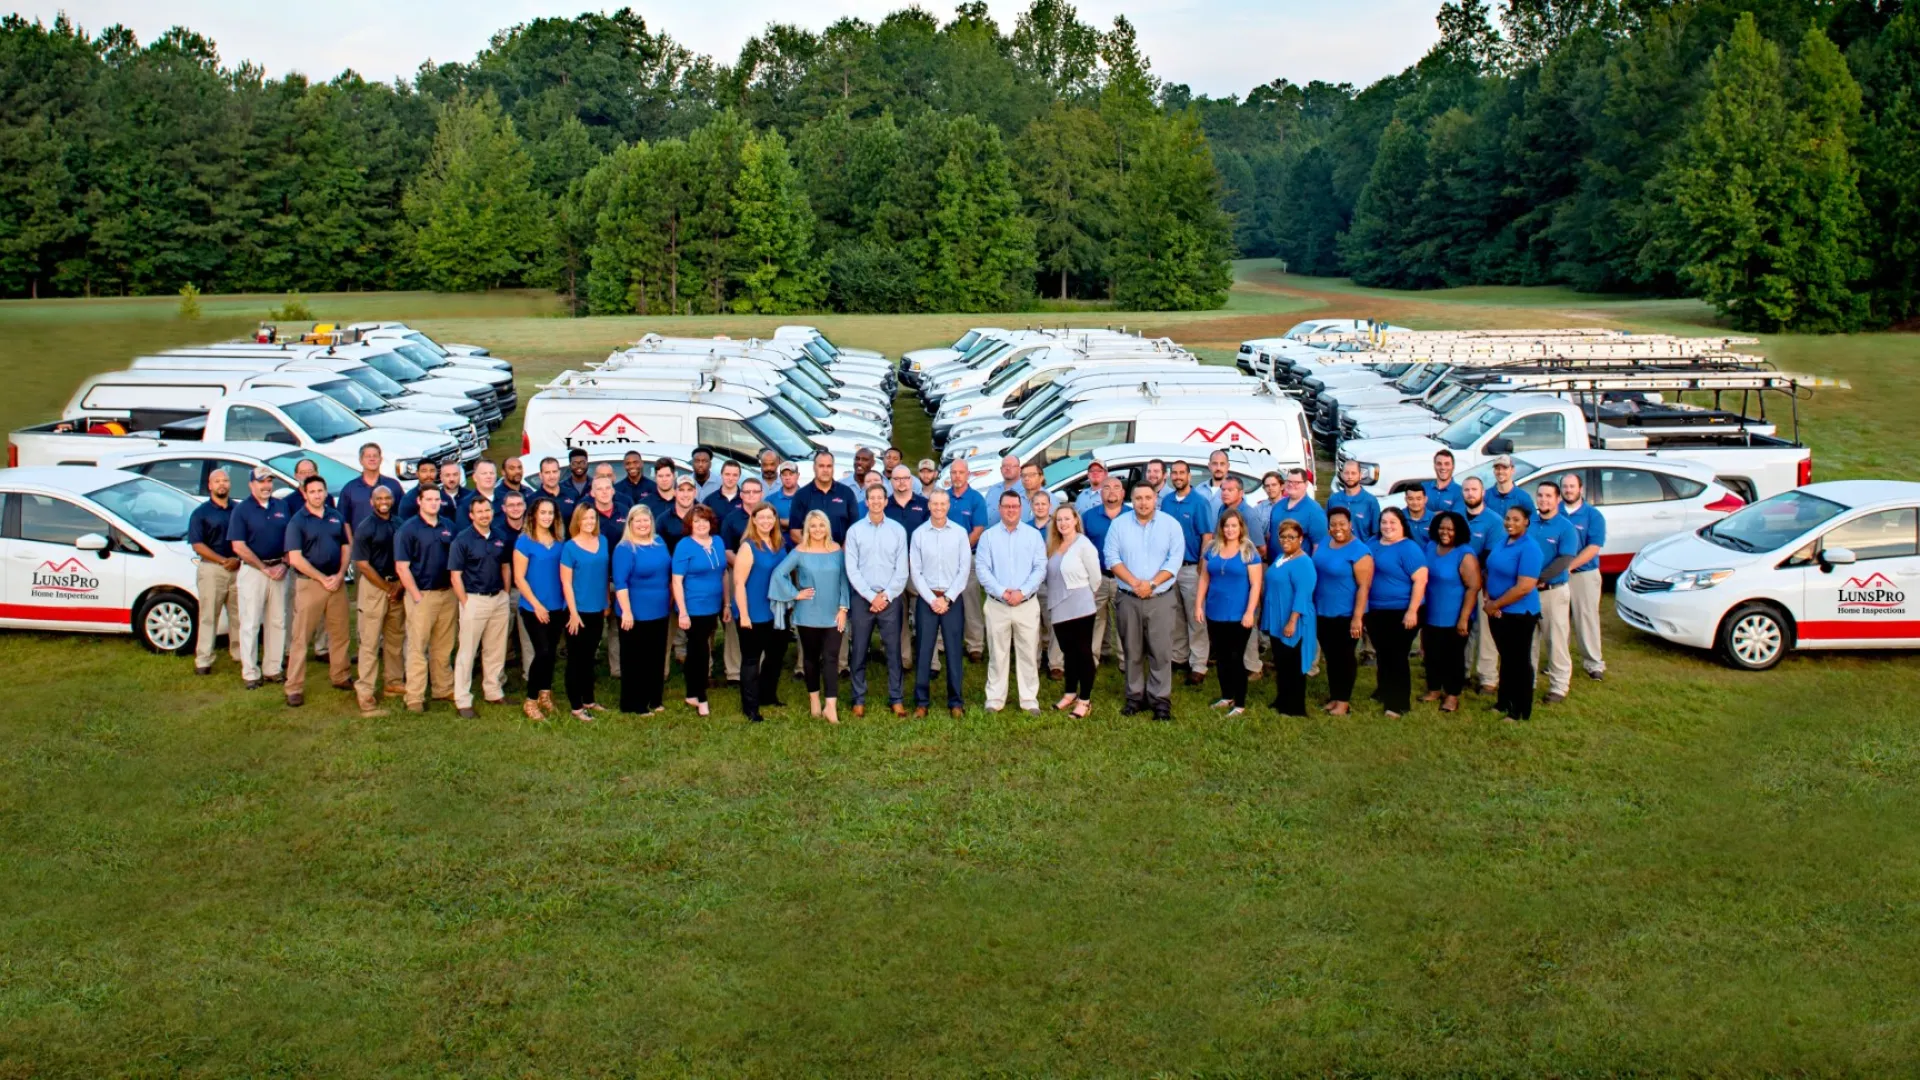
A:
(1753, 387)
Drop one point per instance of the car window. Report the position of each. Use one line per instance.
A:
(1888, 534)
(57, 521)
(1541, 431)
(248, 424)
(1624, 487)
(1680, 487)
(187, 474)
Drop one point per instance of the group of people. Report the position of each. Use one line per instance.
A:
(653, 565)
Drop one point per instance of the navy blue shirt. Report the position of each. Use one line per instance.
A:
(373, 543)
(563, 502)
(612, 526)
(322, 538)
(841, 506)
(504, 489)
(409, 507)
(911, 516)
(479, 559)
(262, 528)
(733, 528)
(721, 505)
(355, 497)
(632, 491)
(661, 505)
(209, 525)
(423, 548)
(296, 502)
(456, 504)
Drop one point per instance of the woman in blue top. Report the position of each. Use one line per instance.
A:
(1343, 575)
(699, 591)
(642, 583)
(1513, 610)
(536, 573)
(1289, 618)
(1228, 601)
(1453, 589)
(763, 646)
(1393, 609)
(585, 571)
(812, 580)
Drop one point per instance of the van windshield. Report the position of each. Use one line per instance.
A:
(423, 358)
(772, 431)
(426, 342)
(1771, 524)
(1025, 447)
(1007, 376)
(794, 415)
(1467, 430)
(354, 396)
(375, 381)
(396, 367)
(1422, 376)
(323, 419)
(152, 507)
(804, 401)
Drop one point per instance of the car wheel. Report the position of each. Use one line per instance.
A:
(1754, 637)
(167, 622)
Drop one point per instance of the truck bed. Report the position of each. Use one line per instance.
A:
(84, 442)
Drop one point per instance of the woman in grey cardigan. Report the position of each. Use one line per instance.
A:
(1073, 572)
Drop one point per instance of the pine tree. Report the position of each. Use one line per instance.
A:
(980, 246)
(1889, 156)
(775, 233)
(1376, 246)
(1065, 166)
(1173, 241)
(476, 219)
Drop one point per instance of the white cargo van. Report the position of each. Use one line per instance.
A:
(387, 361)
(1048, 401)
(590, 418)
(809, 415)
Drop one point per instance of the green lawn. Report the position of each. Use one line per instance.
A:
(1682, 870)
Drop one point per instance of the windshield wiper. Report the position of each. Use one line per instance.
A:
(1742, 544)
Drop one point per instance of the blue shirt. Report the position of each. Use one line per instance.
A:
(262, 528)
(373, 543)
(1288, 590)
(1446, 589)
(409, 507)
(1096, 524)
(322, 538)
(1335, 588)
(1508, 561)
(1195, 515)
(1312, 519)
(969, 511)
(702, 572)
(825, 572)
(1590, 528)
(1146, 549)
(782, 502)
(425, 548)
(592, 572)
(209, 525)
(1448, 498)
(632, 491)
(1488, 527)
(646, 573)
(877, 558)
(760, 580)
(564, 503)
(1421, 530)
(477, 558)
(543, 572)
(841, 506)
(1556, 537)
(911, 516)
(355, 497)
(1228, 587)
(1517, 497)
(1011, 559)
(1363, 508)
(938, 559)
(718, 502)
(991, 496)
(1393, 568)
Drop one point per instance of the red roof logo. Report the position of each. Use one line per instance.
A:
(1875, 581)
(71, 566)
(618, 424)
(1230, 432)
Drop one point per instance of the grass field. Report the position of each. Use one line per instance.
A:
(1681, 870)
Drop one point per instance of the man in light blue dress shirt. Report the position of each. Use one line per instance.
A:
(877, 572)
(939, 562)
(1090, 497)
(1009, 481)
(1145, 551)
(1196, 513)
(1011, 562)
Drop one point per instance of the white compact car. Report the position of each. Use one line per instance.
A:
(1826, 566)
(188, 466)
(98, 551)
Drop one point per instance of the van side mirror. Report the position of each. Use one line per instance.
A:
(91, 542)
(1836, 556)
(1496, 447)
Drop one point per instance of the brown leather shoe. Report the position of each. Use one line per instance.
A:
(294, 701)
(496, 701)
(859, 710)
(956, 712)
(394, 689)
(1195, 678)
(899, 710)
(1057, 674)
(920, 712)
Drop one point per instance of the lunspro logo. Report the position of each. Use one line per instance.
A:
(1231, 432)
(1871, 595)
(67, 579)
(615, 429)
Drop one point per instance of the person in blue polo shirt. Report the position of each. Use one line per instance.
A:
(1296, 502)
(834, 500)
(1505, 492)
(1512, 604)
(1363, 510)
(355, 497)
(1486, 526)
(1194, 512)
(481, 571)
(420, 552)
(1560, 543)
(1591, 530)
(780, 492)
(214, 580)
(1442, 493)
(317, 550)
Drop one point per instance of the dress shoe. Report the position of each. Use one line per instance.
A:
(1555, 699)
(859, 710)
(469, 714)
(1057, 675)
(1597, 676)
(1195, 678)
(899, 709)
(956, 712)
(275, 678)
(395, 689)
(974, 656)
(252, 684)
(203, 670)
(443, 697)
(496, 701)
(294, 701)
(347, 686)
(1130, 708)
(920, 713)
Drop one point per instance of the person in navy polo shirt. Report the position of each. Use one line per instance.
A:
(835, 500)
(481, 569)
(426, 476)
(724, 499)
(633, 485)
(382, 619)
(659, 497)
(259, 535)
(1559, 544)
(454, 494)
(317, 551)
(513, 478)
(551, 489)
(207, 533)
(355, 497)
(420, 552)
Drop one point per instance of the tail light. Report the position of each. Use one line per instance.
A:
(1806, 470)
(526, 445)
(1726, 504)
(13, 456)
(1306, 458)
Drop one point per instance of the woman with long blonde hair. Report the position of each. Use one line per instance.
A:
(642, 583)
(812, 582)
(585, 572)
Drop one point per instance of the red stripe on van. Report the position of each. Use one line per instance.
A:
(1857, 629)
(66, 613)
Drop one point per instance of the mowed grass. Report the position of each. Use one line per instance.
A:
(1681, 870)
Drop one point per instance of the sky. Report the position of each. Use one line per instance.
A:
(1217, 47)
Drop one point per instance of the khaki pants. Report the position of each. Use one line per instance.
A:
(1556, 610)
(1013, 635)
(729, 633)
(1485, 663)
(382, 629)
(1586, 620)
(214, 583)
(1189, 633)
(973, 599)
(263, 614)
(431, 622)
(314, 606)
(483, 633)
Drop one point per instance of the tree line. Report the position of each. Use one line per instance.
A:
(904, 165)
(1761, 154)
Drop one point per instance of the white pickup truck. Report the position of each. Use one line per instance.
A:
(1744, 454)
(284, 415)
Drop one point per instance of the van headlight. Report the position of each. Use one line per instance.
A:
(964, 410)
(1696, 580)
(1369, 473)
(407, 466)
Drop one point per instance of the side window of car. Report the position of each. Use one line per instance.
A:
(1541, 431)
(1888, 534)
(1624, 487)
(1099, 436)
(1680, 487)
(186, 474)
(57, 521)
(248, 424)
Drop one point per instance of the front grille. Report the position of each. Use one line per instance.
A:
(1636, 583)
(1634, 618)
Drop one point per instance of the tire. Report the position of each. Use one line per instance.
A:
(1754, 637)
(167, 622)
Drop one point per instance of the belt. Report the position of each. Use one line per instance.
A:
(470, 592)
(1588, 570)
(1550, 588)
(1106, 573)
(281, 561)
(1195, 562)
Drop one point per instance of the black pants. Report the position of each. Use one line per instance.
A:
(583, 657)
(1445, 649)
(1075, 637)
(1513, 640)
(1227, 646)
(698, 667)
(930, 629)
(862, 621)
(1337, 646)
(820, 659)
(546, 648)
(643, 662)
(763, 648)
(1391, 644)
(1290, 683)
